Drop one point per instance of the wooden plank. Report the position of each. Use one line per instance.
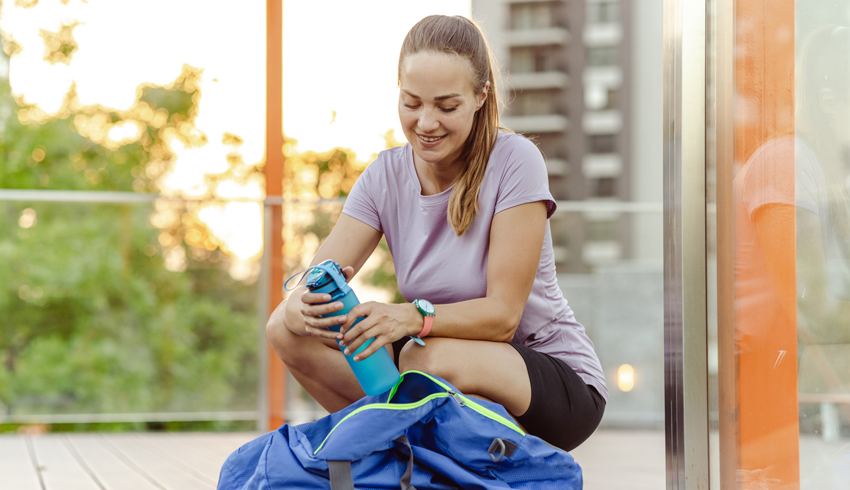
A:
(191, 443)
(113, 471)
(165, 470)
(59, 468)
(175, 448)
(16, 467)
(222, 445)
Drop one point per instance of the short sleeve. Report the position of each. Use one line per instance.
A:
(769, 177)
(810, 183)
(363, 202)
(524, 178)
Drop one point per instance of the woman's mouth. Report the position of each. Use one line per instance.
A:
(430, 140)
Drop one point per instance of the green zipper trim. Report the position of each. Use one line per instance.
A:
(407, 406)
(385, 406)
(475, 406)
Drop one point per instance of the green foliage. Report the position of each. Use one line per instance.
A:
(90, 319)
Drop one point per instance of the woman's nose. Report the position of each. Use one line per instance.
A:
(427, 122)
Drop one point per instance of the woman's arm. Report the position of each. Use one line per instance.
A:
(349, 244)
(516, 242)
(823, 318)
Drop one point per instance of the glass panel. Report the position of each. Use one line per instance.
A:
(619, 295)
(785, 376)
(107, 309)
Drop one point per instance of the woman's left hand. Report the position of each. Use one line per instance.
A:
(383, 322)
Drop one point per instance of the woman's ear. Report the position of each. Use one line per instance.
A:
(483, 96)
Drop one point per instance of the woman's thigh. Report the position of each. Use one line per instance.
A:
(494, 370)
(544, 394)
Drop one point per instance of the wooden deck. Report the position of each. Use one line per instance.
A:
(187, 461)
(123, 461)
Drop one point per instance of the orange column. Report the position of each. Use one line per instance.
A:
(763, 349)
(273, 170)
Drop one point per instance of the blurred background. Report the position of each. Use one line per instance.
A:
(131, 190)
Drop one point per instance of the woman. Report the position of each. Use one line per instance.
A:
(465, 210)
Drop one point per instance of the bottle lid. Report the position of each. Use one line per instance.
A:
(318, 278)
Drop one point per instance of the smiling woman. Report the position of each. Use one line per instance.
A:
(464, 207)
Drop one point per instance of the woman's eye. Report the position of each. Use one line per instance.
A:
(411, 106)
(448, 109)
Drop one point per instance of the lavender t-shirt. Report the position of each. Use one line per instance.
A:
(433, 263)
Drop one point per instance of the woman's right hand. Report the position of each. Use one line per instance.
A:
(315, 305)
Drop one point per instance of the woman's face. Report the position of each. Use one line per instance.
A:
(437, 104)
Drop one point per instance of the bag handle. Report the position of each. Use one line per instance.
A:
(340, 471)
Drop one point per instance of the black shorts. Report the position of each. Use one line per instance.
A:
(564, 410)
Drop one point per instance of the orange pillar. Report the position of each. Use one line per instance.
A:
(273, 170)
(763, 402)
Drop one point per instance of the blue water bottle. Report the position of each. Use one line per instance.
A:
(377, 373)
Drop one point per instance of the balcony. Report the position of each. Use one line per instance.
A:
(557, 167)
(598, 166)
(607, 34)
(548, 123)
(539, 80)
(609, 76)
(598, 253)
(538, 37)
(602, 122)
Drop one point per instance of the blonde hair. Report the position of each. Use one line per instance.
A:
(462, 37)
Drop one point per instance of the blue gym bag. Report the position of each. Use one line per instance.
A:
(422, 434)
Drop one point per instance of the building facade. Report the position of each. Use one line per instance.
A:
(566, 70)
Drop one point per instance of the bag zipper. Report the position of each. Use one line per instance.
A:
(464, 401)
(385, 406)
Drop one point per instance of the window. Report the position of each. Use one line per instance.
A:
(602, 231)
(603, 55)
(604, 11)
(530, 16)
(534, 59)
(602, 143)
(534, 104)
(599, 98)
(603, 187)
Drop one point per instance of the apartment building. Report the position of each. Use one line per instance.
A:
(566, 70)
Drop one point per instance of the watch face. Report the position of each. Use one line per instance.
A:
(425, 306)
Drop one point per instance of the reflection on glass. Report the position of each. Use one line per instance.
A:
(792, 247)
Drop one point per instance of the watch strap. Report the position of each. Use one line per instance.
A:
(426, 328)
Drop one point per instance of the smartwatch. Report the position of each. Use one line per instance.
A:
(427, 309)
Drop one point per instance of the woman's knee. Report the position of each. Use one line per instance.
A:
(282, 340)
(431, 358)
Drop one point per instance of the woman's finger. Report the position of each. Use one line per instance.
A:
(361, 310)
(359, 334)
(321, 310)
(332, 321)
(378, 343)
(315, 298)
(322, 332)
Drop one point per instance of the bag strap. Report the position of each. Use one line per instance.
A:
(408, 474)
(340, 471)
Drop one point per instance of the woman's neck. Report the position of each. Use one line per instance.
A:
(435, 178)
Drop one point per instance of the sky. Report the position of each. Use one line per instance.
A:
(339, 70)
(340, 57)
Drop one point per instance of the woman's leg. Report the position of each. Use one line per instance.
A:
(493, 370)
(317, 365)
(545, 396)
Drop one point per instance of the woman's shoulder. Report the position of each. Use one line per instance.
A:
(513, 141)
(390, 161)
(515, 150)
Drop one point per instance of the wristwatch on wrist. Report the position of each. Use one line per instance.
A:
(427, 309)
